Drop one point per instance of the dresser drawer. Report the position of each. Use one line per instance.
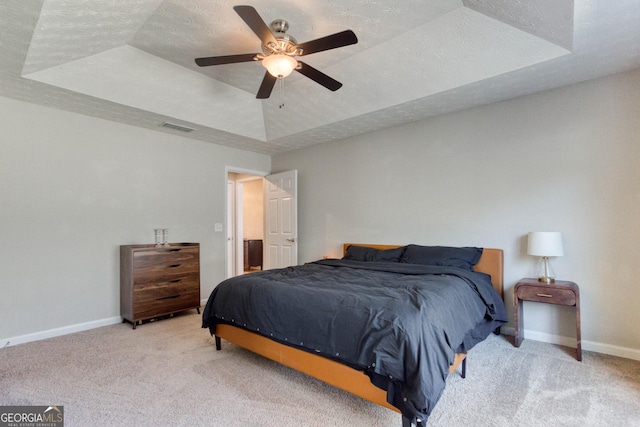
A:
(159, 300)
(166, 278)
(191, 283)
(545, 294)
(163, 264)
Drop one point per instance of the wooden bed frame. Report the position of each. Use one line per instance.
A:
(337, 374)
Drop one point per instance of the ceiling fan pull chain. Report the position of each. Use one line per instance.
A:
(281, 84)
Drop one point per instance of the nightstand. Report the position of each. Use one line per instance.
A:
(560, 292)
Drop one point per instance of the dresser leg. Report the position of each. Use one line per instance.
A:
(218, 344)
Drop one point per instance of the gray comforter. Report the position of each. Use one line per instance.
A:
(400, 323)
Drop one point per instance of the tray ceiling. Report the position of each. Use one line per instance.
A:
(132, 62)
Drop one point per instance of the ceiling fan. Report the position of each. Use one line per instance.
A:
(279, 52)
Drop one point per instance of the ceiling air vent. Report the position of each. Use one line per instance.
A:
(176, 127)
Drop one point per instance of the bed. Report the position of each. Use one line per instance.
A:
(385, 323)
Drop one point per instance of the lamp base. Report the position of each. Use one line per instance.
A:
(546, 279)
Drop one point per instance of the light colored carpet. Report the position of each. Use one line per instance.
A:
(169, 373)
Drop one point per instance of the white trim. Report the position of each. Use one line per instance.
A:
(239, 231)
(56, 332)
(613, 350)
(234, 169)
(237, 253)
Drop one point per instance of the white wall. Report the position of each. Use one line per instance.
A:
(73, 188)
(565, 160)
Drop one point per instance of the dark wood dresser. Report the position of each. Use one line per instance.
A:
(157, 281)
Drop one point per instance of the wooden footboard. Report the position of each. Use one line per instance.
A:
(327, 370)
(332, 372)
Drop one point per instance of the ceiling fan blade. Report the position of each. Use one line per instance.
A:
(250, 16)
(228, 59)
(266, 86)
(344, 38)
(318, 76)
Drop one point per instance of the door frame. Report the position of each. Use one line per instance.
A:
(234, 255)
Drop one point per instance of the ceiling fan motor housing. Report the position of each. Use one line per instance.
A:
(286, 44)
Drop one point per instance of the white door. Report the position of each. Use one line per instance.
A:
(281, 220)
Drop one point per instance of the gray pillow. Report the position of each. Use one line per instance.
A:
(364, 253)
(463, 257)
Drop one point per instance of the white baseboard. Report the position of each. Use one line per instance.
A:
(50, 333)
(56, 332)
(613, 350)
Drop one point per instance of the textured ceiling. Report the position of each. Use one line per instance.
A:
(132, 61)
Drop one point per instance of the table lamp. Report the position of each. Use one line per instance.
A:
(545, 244)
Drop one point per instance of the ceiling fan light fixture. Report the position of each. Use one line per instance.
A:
(279, 65)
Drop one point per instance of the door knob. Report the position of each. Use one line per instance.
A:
(291, 240)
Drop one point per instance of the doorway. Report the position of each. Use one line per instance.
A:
(266, 211)
(245, 223)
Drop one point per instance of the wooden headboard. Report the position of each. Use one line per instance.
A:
(491, 262)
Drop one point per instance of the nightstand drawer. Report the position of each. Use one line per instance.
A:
(548, 295)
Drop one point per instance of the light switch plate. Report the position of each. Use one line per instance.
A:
(218, 226)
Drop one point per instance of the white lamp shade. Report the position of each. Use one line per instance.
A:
(545, 243)
(279, 65)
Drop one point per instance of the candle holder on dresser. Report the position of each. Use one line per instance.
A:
(162, 237)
